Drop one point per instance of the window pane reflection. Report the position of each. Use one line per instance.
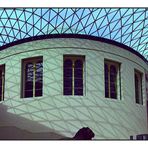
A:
(138, 87)
(78, 77)
(68, 77)
(106, 72)
(29, 80)
(73, 75)
(33, 78)
(113, 77)
(38, 78)
(2, 79)
(111, 71)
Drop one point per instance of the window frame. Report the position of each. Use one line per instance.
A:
(117, 65)
(2, 67)
(23, 77)
(73, 58)
(140, 79)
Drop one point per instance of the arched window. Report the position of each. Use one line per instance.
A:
(106, 72)
(38, 78)
(32, 77)
(112, 79)
(2, 81)
(68, 77)
(28, 91)
(138, 87)
(73, 75)
(78, 76)
(113, 82)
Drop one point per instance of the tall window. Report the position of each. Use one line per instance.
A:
(112, 79)
(32, 70)
(73, 75)
(138, 87)
(2, 81)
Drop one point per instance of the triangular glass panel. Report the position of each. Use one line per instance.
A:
(13, 22)
(80, 28)
(21, 24)
(62, 13)
(29, 17)
(86, 12)
(75, 20)
(64, 27)
(44, 29)
(52, 30)
(102, 13)
(59, 20)
(125, 38)
(4, 39)
(136, 34)
(124, 12)
(115, 25)
(139, 16)
(19, 13)
(12, 14)
(11, 39)
(106, 33)
(4, 21)
(67, 15)
(91, 28)
(9, 30)
(80, 12)
(126, 29)
(127, 20)
(69, 20)
(23, 35)
(104, 22)
(16, 32)
(44, 11)
(87, 20)
(113, 16)
(137, 25)
(7, 39)
(127, 41)
(8, 24)
(134, 43)
(101, 31)
(36, 11)
(53, 14)
(95, 13)
(142, 39)
(116, 34)
(145, 31)
(6, 13)
(53, 22)
(29, 29)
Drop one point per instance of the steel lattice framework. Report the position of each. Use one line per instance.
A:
(128, 26)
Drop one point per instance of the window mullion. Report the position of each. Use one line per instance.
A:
(116, 78)
(83, 78)
(24, 78)
(141, 100)
(34, 71)
(109, 80)
(2, 97)
(73, 79)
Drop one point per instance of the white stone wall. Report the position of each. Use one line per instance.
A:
(108, 118)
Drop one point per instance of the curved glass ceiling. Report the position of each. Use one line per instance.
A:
(127, 26)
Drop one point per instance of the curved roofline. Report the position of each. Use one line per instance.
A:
(80, 36)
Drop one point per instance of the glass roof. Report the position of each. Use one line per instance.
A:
(127, 26)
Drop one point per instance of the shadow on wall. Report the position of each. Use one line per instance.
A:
(15, 127)
(84, 133)
(9, 130)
